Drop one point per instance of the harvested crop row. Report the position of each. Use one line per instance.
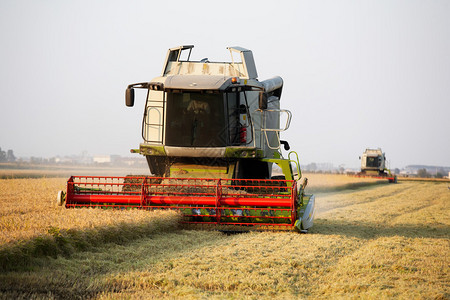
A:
(32, 225)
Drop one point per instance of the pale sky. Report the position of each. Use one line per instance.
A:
(357, 74)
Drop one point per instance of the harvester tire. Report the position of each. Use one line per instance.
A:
(60, 198)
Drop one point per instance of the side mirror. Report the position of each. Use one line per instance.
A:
(286, 145)
(262, 100)
(129, 97)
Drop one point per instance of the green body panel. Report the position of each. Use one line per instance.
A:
(243, 152)
(230, 152)
(145, 149)
(191, 171)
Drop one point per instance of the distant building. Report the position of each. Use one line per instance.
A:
(408, 172)
(102, 159)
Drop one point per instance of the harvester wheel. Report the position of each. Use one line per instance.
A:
(60, 198)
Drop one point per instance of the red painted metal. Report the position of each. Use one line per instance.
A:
(391, 178)
(227, 201)
(243, 135)
(179, 200)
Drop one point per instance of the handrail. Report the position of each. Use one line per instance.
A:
(275, 130)
(297, 162)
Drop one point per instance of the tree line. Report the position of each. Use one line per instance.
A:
(423, 173)
(7, 156)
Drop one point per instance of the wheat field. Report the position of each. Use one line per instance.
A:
(370, 240)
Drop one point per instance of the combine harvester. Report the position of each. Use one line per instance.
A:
(211, 134)
(373, 165)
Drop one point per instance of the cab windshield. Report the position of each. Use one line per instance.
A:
(372, 162)
(196, 119)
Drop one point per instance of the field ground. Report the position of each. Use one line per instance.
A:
(11, 171)
(370, 240)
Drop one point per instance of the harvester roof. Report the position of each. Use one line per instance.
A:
(179, 64)
(198, 82)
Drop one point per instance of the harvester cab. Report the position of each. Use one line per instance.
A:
(373, 163)
(212, 119)
(211, 135)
